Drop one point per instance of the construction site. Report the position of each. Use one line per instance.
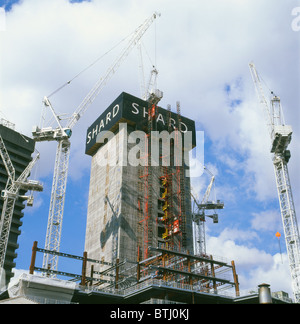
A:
(145, 229)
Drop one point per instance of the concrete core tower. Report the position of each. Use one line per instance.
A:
(139, 194)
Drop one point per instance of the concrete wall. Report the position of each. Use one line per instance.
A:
(117, 204)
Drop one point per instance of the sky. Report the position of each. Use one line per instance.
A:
(202, 50)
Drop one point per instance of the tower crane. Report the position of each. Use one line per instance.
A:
(199, 216)
(62, 135)
(11, 193)
(281, 135)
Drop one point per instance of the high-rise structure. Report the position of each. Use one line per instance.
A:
(139, 237)
(20, 149)
(139, 194)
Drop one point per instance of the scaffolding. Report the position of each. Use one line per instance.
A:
(165, 208)
(145, 213)
(162, 213)
(165, 199)
(181, 221)
(171, 201)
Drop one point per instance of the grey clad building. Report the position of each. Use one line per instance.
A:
(20, 149)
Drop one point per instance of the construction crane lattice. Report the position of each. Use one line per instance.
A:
(281, 136)
(200, 214)
(11, 193)
(62, 134)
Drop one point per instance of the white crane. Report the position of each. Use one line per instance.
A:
(281, 136)
(62, 136)
(152, 94)
(199, 216)
(11, 193)
(149, 91)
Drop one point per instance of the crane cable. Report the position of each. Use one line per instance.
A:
(265, 83)
(89, 66)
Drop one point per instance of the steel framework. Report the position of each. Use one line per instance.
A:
(169, 265)
(11, 193)
(54, 226)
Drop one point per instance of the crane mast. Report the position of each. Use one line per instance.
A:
(62, 136)
(199, 216)
(10, 194)
(56, 209)
(281, 136)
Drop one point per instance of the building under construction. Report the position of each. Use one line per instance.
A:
(141, 231)
(19, 148)
(139, 208)
(139, 195)
(139, 245)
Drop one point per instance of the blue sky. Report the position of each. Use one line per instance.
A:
(203, 49)
(7, 4)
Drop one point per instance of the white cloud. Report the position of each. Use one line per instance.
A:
(244, 256)
(269, 220)
(277, 274)
(254, 266)
(202, 47)
(238, 235)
